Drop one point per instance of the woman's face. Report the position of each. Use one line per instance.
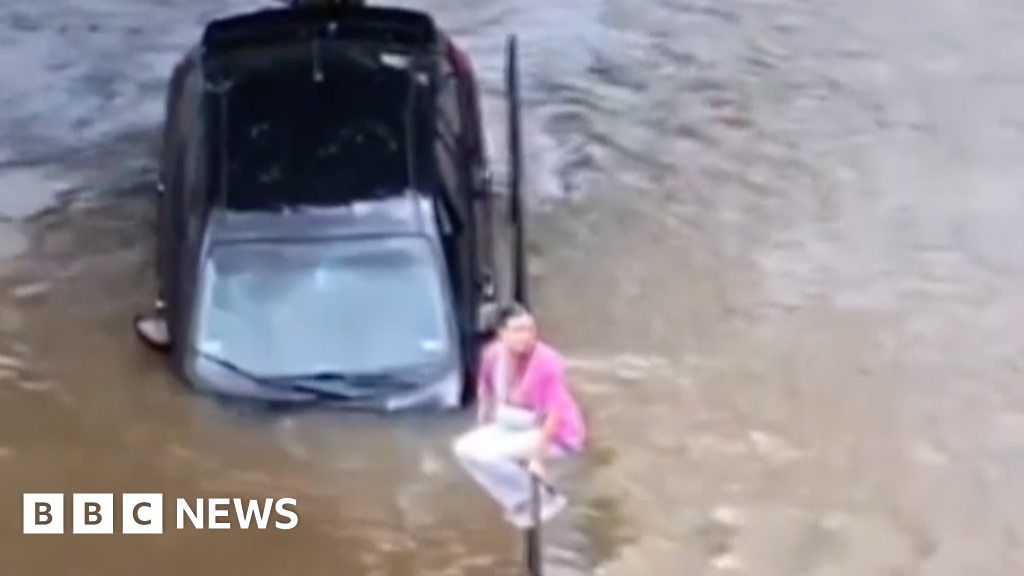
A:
(520, 334)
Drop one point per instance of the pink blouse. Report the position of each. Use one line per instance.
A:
(544, 390)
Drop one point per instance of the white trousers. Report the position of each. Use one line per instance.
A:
(496, 457)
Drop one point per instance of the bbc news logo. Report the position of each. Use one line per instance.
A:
(144, 513)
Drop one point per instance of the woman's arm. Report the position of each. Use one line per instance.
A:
(551, 407)
(484, 404)
(485, 388)
(549, 429)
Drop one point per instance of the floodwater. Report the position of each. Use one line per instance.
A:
(778, 240)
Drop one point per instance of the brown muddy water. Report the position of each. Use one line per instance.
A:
(778, 240)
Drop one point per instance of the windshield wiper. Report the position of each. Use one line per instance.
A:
(326, 383)
(279, 383)
(229, 365)
(364, 382)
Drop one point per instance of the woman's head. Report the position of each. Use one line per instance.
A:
(518, 329)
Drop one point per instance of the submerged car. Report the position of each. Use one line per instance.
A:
(327, 227)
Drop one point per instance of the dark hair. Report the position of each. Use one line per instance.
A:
(511, 311)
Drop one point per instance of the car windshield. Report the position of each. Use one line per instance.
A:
(348, 307)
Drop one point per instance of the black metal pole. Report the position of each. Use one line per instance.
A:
(515, 144)
(532, 536)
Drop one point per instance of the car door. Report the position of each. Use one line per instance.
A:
(457, 230)
(477, 172)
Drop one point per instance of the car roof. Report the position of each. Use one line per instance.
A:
(401, 215)
(394, 27)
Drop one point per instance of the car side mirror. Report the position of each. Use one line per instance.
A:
(487, 319)
(153, 330)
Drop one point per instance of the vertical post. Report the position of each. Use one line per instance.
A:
(532, 536)
(515, 182)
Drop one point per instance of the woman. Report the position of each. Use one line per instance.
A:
(526, 415)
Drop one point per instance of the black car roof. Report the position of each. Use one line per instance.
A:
(392, 26)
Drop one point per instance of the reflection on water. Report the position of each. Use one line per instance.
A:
(782, 255)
